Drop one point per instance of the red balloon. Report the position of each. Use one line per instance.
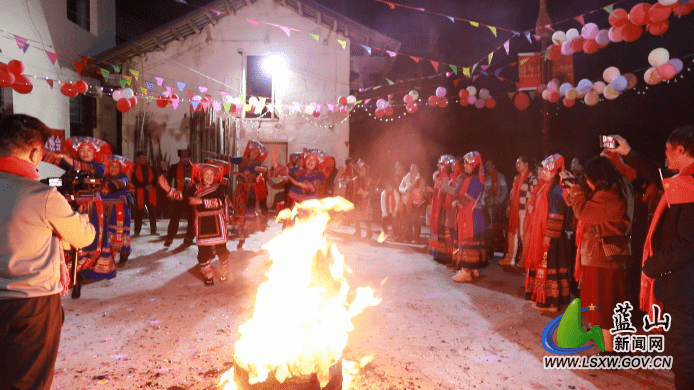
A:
(81, 86)
(3, 66)
(442, 102)
(554, 53)
(15, 67)
(618, 17)
(161, 101)
(133, 101)
(569, 102)
(667, 71)
(388, 110)
(577, 45)
(590, 46)
(379, 113)
(463, 102)
(22, 84)
(521, 101)
(342, 100)
(6, 78)
(411, 108)
(639, 14)
(408, 99)
(343, 110)
(680, 9)
(463, 94)
(316, 114)
(554, 96)
(490, 103)
(658, 28)
(659, 13)
(66, 89)
(123, 105)
(390, 96)
(433, 100)
(631, 32)
(232, 108)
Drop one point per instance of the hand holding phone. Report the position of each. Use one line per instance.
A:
(607, 141)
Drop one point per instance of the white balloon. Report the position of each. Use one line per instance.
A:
(572, 34)
(558, 37)
(667, 2)
(117, 94)
(128, 93)
(472, 90)
(484, 93)
(253, 101)
(351, 99)
(658, 57)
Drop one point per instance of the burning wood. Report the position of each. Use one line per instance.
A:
(303, 312)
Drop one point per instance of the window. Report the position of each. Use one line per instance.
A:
(82, 115)
(78, 12)
(258, 84)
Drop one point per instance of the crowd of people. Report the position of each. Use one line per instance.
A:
(608, 231)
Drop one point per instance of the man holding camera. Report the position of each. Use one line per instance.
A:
(32, 270)
(668, 255)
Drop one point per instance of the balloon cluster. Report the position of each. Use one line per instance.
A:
(590, 39)
(663, 68)
(125, 99)
(469, 96)
(383, 107)
(74, 89)
(346, 104)
(12, 74)
(439, 99)
(411, 101)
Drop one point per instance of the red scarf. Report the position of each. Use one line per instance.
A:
(19, 167)
(515, 202)
(647, 297)
(580, 230)
(536, 226)
(495, 183)
(180, 176)
(437, 202)
(465, 220)
(140, 194)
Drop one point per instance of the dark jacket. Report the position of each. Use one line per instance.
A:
(604, 242)
(672, 264)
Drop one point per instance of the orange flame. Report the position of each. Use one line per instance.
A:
(382, 237)
(302, 315)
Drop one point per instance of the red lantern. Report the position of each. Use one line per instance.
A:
(618, 17)
(659, 13)
(123, 105)
(631, 32)
(658, 28)
(81, 87)
(442, 102)
(490, 103)
(590, 46)
(521, 101)
(162, 101)
(6, 78)
(15, 67)
(639, 14)
(22, 84)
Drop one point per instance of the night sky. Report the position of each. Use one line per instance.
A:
(643, 116)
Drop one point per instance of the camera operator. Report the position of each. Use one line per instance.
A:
(600, 203)
(32, 270)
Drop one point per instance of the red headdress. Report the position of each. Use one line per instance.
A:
(126, 166)
(224, 165)
(553, 163)
(474, 159)
(326, 163)
(101, 148)
(262, 152)
(199, 168)
(295, 158)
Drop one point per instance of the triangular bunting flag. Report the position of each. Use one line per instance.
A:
(474, 78)
(226, 106)
(135, 73)
(190, 95)
(454, 68)
(537, 37)
(123, 83)
(174, 101)
(181, 86)
(466, 72)
(342, 43)
(528, 36)
(224, 94)
(150, 85)
(549, 27)
(84, 58)
(474, 67)
(79, 66)
(498, 72)
(205, 105)
(474, 24)
(493, 29)
(50, 82)
(105, 73)
(511, 95)
(128, 79)
(435, 64)
(367, 48)
(390, 82)
(491, 55)
(377, 87)
(456, 82)
(160, 80)
(580, 20)
(391, 5)
(52, 56)
(116, 68)
(169, 89)
(516, 33)
(242, 97)
(484, 67)
(202, 89)
(415, 59)
(609, 9)
(195, 104)
(532, 94)
(21, 42)
(391, 53)
(484, 73)
(253, 22)
(452, 19)
(507, 45)
(149, 99)
(331, 107)
(286, 30)
(524, 60)
(315, 36)
(143, 90)
(25, 48)
(367, 101)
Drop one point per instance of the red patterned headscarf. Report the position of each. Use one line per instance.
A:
(325, 162)
(200, 168)
(474, 159)
(126, 166)
(262, 151)
(554, 163)
(101, 148)
(225, 166)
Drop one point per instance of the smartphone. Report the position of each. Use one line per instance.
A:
(608, 142)
(55, 182)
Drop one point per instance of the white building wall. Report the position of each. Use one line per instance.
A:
(317, 72)
(45, 21)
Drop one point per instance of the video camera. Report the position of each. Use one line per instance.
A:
(73, 182)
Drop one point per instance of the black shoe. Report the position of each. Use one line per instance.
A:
(77, 288)
(123, 259)
(240, 244)
(209, 282)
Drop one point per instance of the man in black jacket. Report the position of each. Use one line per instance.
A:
(669, 250)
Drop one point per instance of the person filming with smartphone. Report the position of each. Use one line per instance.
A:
(33, 273)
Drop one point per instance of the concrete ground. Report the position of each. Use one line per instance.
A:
(157, 326)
